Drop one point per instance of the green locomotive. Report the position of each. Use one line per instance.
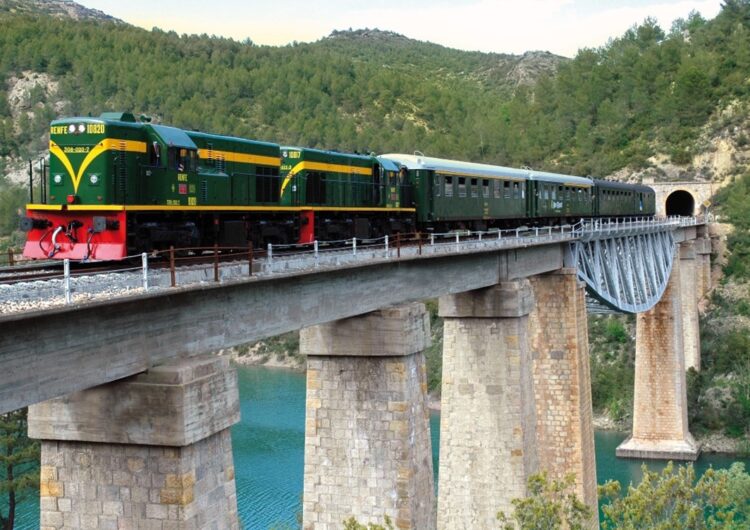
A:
(118, 186)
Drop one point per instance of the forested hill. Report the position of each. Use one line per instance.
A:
(356, 90)
(649, 97)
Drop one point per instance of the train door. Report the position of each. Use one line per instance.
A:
(393, 192)
(377, 173)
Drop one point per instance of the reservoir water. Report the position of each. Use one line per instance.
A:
(269, 446)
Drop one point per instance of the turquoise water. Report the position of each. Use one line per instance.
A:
(269, 452)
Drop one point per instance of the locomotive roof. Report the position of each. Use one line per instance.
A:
(173, 136)
(211, 136)
(481, 170)
(325, 152)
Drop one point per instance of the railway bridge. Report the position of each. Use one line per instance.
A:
(134, 417)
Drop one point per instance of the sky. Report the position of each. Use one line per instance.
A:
(502, 26)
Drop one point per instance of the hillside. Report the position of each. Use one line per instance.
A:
(362, 90)
(65, 9)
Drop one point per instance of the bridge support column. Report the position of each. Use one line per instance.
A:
(367, 434)
(487, 419)
(151, 451)
(690, 293)
(703, 266)
(562, 382)
(660, 425)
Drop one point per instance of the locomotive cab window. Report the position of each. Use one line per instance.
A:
(182, 159)
(154, 154)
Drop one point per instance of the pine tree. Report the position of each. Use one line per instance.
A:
(19, 463)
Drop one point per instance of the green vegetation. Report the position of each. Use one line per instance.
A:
(612, 354)
(550, 504)
(719, 500)
(673, 499)
(719, 395)
(19, 465)
(352, 524)
(376, 91)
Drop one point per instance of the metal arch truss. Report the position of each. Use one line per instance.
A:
(628, 273)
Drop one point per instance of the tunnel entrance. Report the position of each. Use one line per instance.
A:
(680, 202)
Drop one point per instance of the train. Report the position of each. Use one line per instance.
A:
(118, 186)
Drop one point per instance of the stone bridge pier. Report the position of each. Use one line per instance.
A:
(516, 397)
(152, 451)
(368, 452)
(660, 424)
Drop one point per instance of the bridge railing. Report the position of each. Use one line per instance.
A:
(181, 267)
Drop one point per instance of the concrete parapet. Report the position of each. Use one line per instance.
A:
(562, 382)
(487, 419)
(660, 426)
(690, 293)
(151, 451)
(367, 435)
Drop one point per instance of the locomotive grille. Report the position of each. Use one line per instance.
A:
(204, 191)
(122, 171)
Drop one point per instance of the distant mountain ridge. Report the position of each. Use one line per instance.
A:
(55, 8)
(492, 69)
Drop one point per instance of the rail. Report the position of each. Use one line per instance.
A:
(222, 263)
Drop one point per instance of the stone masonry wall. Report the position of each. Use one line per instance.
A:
(367, 437)
(116, 487)
(487, 438)
(367, 424)
(660, 426)
(562, 382)
(690, 291)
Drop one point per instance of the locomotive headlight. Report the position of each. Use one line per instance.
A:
(81, 128)
(72, 128)
(94, 179)
(57, 179)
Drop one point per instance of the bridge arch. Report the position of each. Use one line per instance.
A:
(680, 202)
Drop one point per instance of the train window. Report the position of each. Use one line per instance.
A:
(485, 188)
(545, 193)
(154, 154)
(462, 186)
(496, 188)
(474, 188)
(506, 189)
(554, 193)
(181, 159)
(516, 191)
(436, 184)
(449, 186)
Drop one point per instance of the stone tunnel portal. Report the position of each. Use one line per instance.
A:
(680, 202)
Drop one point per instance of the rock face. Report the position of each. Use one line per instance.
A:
(57, 8)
